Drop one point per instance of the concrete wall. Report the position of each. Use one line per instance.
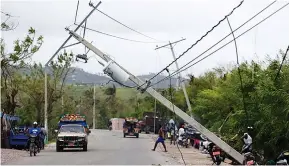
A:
(117, 123)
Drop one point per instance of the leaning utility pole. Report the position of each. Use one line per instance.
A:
(46, 65)
(117, 72)
(180, 82)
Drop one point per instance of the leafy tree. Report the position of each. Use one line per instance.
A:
(12, 63)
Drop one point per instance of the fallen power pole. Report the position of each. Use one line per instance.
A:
(118, 73)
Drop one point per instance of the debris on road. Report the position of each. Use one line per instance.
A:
(11, 155)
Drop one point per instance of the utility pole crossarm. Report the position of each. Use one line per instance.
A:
(220, 143)
(63, 45)
(89, 45)
(169, 44)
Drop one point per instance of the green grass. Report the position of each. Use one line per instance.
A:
(122, 93)
(51, 141)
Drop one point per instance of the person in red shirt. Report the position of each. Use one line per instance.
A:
(161, 139)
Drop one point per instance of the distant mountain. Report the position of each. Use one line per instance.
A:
(81, 77)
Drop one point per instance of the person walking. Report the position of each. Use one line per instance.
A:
(161, 139)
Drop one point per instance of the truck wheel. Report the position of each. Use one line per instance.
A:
(58, 148)
(85, 147)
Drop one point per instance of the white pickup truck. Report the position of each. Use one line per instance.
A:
(71, 136)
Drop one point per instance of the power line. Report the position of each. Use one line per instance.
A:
(126, 25)
(180, 70)
(282, 63)
(196, 41)
(122, 38)
(6, 14)
(239, 73)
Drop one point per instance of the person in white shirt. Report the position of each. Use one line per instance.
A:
(247, 140)
(181, 131)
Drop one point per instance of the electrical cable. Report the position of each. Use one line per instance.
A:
(239, 73)
(126, 26)
(284, 57)
(76, 12)
(137, 41)
(181, 69)
(227, 35)
(6, 14)
(197, 41)
(171, 95)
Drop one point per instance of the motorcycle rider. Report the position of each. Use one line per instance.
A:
(109, 124)
(247, 140)
(44, 134)
(34, 130)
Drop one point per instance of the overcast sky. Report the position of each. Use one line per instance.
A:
(168, 20)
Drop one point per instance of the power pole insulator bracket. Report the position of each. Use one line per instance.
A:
(142, 90)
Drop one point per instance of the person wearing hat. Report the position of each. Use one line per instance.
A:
(247, 140)
(35, 130)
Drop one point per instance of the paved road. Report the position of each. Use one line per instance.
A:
(104, 148)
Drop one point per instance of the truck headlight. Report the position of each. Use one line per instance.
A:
(60, 139)
(81, 139)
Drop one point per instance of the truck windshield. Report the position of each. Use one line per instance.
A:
(76, 129)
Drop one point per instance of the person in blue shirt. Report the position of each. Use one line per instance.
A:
(35, 130)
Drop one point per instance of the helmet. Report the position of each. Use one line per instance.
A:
(250, 128)
(34, 123)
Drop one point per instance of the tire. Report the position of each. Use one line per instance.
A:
(124, 135)
(85, 147)
(137, 135)
(31, 149)
(218, 160)
(35, 150)
(42, 145)
(58, 148)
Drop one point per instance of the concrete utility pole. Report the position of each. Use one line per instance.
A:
(46, 65)
(220, 143)
(155, 114)
(62, 104)
(94, 106)
(180, 82)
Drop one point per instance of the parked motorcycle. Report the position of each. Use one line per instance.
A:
(283, 158)
(185, 140)
(216, 153)
(249, 158)
(217, 159)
